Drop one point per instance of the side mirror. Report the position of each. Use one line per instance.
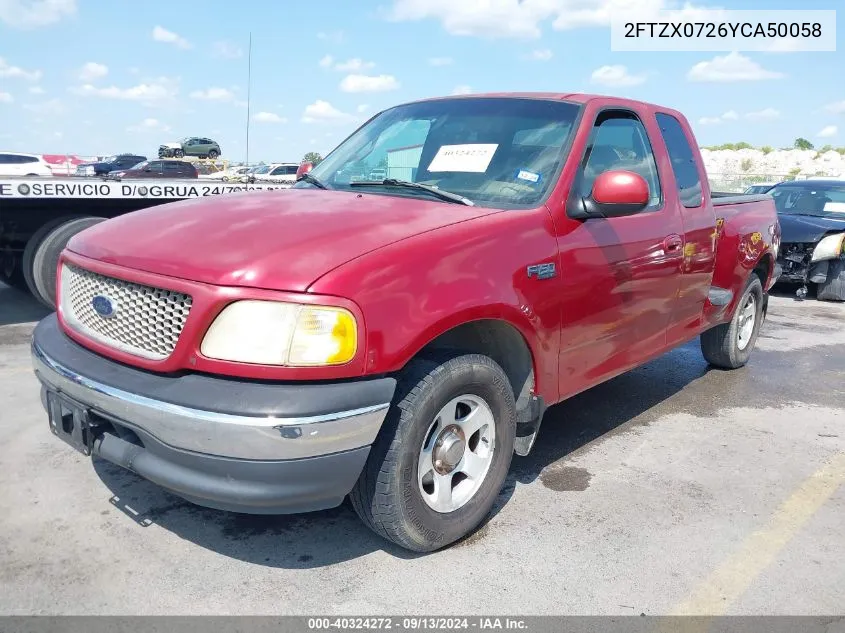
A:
(303, 169)
(615, 193)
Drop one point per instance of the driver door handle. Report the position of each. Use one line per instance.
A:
(673, 243)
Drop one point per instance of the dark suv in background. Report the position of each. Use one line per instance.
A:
(112, 163)
(157, 169)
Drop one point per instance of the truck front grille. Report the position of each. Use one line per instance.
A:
(133, 318)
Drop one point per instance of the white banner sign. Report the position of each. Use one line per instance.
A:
(50, 188)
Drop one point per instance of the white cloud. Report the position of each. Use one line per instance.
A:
(7, 71)
(524, 18)
(440, 61)
(161, 34)
(731, 67)
(26, 14)
(616, 75)
(5, 97)
(148, 92)
(540, 55)
(362, 108)
(828, 131)
(213, 94)
(227, 50)
(353, 65)
(322, 112)
(730, 115)
(836, 108)
(462, 90)
(149, 125)
(53, 107)
(268, 117)
(327, 61)
(336, 37)
(93, 71)
(767, 114)
(368, 83)
(36, 90)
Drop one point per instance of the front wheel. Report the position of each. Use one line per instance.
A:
(729, 345)
(442, 456)
(178, 153)
(213, 154)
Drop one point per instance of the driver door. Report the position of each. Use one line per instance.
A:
(620, 275)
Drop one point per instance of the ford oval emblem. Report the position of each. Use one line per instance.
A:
(105, 306)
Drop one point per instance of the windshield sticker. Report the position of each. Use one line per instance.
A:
(473, 158)
(530, 176)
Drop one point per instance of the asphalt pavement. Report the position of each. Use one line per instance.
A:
(671, 489)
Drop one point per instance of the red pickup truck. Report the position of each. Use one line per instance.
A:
(397, 340)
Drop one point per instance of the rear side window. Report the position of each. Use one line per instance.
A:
(28, 159)
(6, 159)
(683, 160)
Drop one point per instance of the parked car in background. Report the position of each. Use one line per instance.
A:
(377, 174)
(277, 172)
(760, 187)
(17, 164)
(112, 163)
(399, 341)
(227, 175)
(156, 169)
(812, 218)
(199, 146)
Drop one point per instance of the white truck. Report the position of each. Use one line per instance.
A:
(39, 215)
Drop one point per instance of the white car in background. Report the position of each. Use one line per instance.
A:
(17, 164)
(233, 174)
(276, 172)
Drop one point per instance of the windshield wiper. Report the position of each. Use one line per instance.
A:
(313, 180)
(393, 182)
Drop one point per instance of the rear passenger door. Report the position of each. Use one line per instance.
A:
(699, 221)
(619, 275)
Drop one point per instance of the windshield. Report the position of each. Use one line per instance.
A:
(262, 170)
(109, 159)
(817, 200)
(140, 165)
(498, 152)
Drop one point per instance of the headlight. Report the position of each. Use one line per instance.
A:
(277, 333)
(829, 248)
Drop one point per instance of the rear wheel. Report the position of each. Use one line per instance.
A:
(833, 288)
(442, 456)
(729, 345)
(41, 255)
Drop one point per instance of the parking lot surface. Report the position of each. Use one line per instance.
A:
(671, 489)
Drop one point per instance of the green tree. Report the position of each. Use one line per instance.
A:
(312, 157)
(766, 149)
(802, 143)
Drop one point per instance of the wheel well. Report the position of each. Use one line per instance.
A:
(762, 269)
(500, 341)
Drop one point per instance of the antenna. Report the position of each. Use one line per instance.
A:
(248, 90)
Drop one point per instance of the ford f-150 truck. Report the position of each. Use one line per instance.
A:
(397, 341)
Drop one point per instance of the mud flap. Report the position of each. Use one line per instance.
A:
(528, 425)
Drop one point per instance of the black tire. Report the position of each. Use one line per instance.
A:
(720, 345)
(11, 270)
(42, 257)
(833, 288)
(178, 153)
(213, 154)
(387, 497)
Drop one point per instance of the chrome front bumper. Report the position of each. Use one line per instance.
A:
(267, 434)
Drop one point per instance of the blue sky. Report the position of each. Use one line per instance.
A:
(109, 76)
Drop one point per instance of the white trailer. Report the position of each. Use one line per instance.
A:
(39, 215)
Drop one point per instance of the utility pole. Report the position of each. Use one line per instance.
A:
(248, 91)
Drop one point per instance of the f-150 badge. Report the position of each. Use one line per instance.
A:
(541, 271)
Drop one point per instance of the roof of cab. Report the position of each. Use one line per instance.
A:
(574, 97)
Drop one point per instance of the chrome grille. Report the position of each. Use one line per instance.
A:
(146, 321)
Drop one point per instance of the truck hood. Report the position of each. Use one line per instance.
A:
(279, 240)
(807, 228)
(172, 145)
